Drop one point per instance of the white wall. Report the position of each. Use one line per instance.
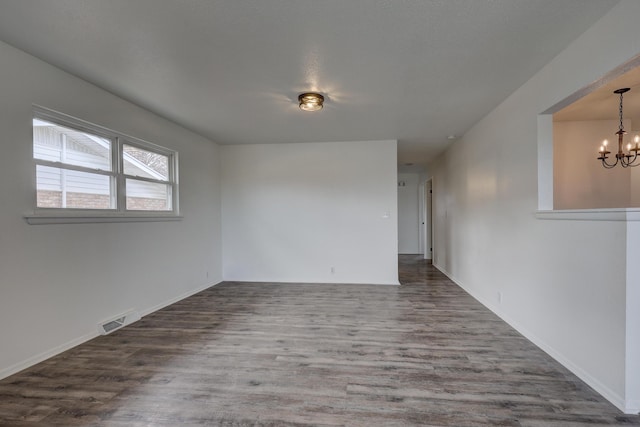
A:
(408, 214)
(579, 180)
(562, 282)
(291, 212)
(634, 199)
(58, 281)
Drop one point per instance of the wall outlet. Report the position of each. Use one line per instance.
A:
(333, 270)
(500, 297)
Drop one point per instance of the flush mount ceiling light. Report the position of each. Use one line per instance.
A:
(625, 159)
(310, 101)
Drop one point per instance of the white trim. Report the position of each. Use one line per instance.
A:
(13, 369)
(613, 397)
(178, 298)
(619, 214)
(428, 220)
(117, 155)
(46, 355)
(294, 282)
(422, 218)
(632, 318)
(545, 161)
(632, 408)
(37, 219)
(63, 119)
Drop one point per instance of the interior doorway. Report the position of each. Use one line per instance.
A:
(426, 219)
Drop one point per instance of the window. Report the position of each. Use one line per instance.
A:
(85, 169)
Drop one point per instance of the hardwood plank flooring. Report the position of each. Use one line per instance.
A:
(246, 354)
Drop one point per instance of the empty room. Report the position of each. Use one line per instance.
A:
(319, 213)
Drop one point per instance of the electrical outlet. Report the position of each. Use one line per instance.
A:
(333, 270)
(500, 297)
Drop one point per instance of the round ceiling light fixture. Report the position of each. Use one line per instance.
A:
(310, 101)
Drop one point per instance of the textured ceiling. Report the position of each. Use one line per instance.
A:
(412, 70)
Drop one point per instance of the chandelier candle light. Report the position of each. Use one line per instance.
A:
(625, 159)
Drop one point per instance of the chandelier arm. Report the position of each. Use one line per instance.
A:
(632, 163)
(608, 165)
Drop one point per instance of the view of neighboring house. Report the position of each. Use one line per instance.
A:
(68, 187)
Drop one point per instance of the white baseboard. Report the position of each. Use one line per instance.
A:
(397, 283)
(46, 355)
(613, 397)
(176, 299)
(632, 407)
(13, 369)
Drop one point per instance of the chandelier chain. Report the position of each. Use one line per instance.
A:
(620, 112)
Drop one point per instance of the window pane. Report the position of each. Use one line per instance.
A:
(148, 196)
(144, 163)
(58, 143)
(63, 188)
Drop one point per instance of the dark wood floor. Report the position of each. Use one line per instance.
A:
(240, 354)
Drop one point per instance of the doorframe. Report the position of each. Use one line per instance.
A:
(426, 218)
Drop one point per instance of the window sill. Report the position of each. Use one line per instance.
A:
(41, 218)
(617, 214)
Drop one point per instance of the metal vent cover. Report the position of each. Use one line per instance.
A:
(118, 322)
(113, 325)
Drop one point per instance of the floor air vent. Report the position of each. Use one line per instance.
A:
(113, 325)
(116, 323)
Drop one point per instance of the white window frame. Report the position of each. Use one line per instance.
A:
(120, 213)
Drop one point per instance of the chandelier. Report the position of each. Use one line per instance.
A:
(625, 159)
